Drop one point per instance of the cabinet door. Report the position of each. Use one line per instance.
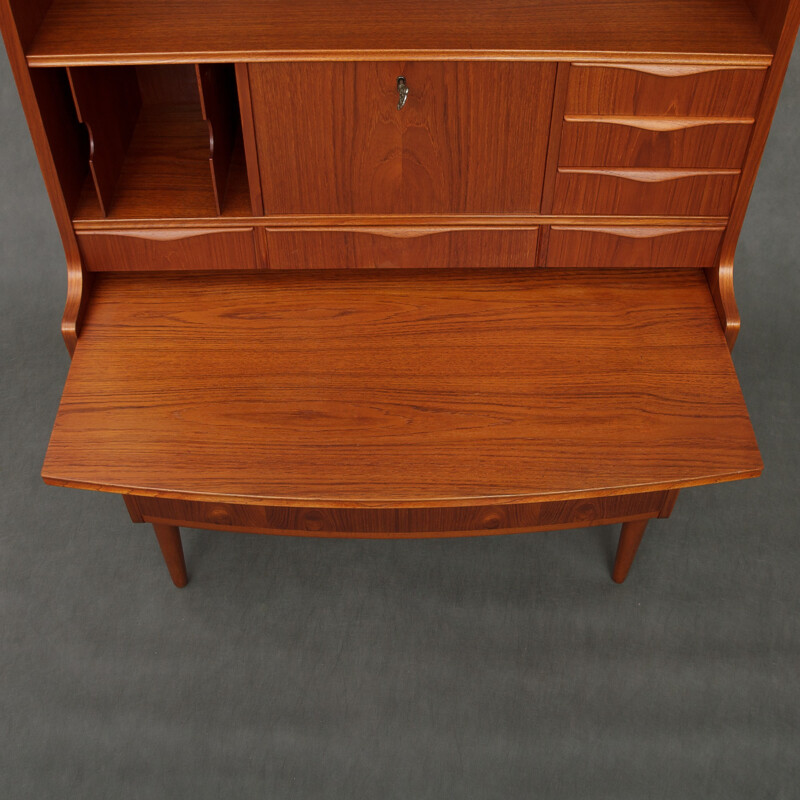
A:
(471, 137)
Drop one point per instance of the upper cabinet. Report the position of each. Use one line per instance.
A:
(402, 138)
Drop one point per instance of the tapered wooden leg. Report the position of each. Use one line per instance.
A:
(629, 540)
(169, 540)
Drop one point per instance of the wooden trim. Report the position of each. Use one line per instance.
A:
(661, 124)
(257, 56)
(646, 175)
(666, 70)
(494, 221)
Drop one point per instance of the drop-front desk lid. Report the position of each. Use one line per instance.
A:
(400, 389)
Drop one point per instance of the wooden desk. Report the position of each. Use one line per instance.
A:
(345, 269)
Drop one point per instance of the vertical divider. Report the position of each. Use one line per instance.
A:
(108, 102)
(249, 137)
(220, 106)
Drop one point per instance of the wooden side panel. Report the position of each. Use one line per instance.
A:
(780, 21)
(108, 103)
(220, 108)
(28, 16)
(169, 249)
(403, 522)
(633, 247)
(664, 90)
(471, 137)
(628, 142)
(407, 248)
(67, 137)
(772, 16)
(609, 191)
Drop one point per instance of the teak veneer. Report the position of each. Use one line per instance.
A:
(445, 269)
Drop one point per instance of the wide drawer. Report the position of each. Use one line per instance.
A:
(664, 90)
(633, 191)
(633, 246)
(367, 248)
(653, 142)
(169, 249)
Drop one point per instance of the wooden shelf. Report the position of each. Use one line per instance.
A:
(166, 175)
(84, 32)
(390, 390)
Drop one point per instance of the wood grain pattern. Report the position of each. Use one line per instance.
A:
(169, 540)
(781, 21)
(591, 190)
(629, 540)
(67, 138)
(28, 16)
(220, 107)
(705, 145)
(98, 31)
(408, 248)
(249, 139)
(471, 138)
(633, 247)
(166, 172)
(34, 91)
(108, 102)
(773, 16)
(401, 523)
(370, 389)
(630, 89)
(169, 249)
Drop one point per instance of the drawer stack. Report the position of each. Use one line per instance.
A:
(650, 140)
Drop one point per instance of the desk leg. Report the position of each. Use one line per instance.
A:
(169, 540)
(629, 540)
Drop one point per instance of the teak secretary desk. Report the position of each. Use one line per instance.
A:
(430, 268)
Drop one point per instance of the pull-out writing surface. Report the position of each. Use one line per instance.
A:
(372, 389)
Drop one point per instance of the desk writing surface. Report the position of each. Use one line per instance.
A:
(391, 389)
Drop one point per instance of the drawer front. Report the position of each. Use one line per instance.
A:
(664, 90)
(635, 247)
(639, 142)
(631, 191)
(404, 522)
(384, 247)
(169, 249)
(471, 136)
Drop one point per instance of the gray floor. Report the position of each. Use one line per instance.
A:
(506, 667)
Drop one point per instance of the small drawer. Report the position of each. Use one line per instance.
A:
(375, 248)
(633, 246)
(653, 142)
(169, 249)
(631, 191)
(664, 90)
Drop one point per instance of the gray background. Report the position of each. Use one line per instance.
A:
(506, 667)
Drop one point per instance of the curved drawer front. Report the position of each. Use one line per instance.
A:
(654, 142)
(635, 247)
(664, 90)
(405, 248)
(169, 249)
(379, 522)
(632, 191)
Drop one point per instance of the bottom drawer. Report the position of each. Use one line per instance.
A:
(373, 248)
(633, 246)
(402, 522)
(169, 249)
